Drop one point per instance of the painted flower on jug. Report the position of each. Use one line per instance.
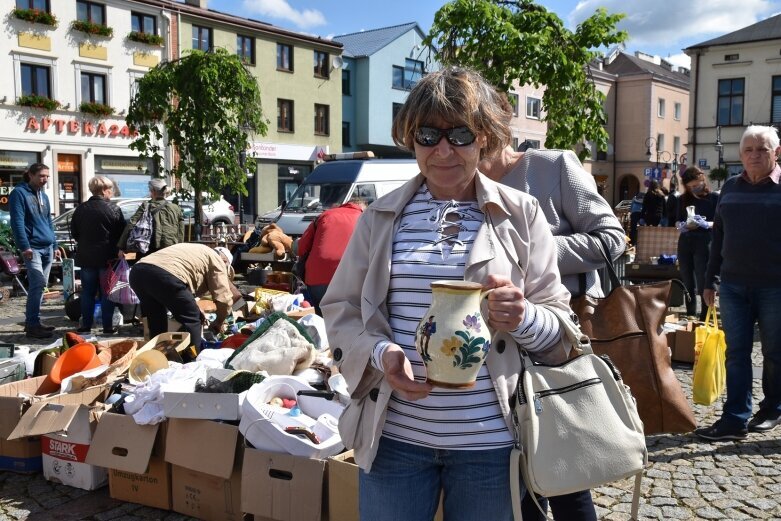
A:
(451, 345)
(472, 322)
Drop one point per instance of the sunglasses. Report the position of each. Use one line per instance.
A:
(457, 136)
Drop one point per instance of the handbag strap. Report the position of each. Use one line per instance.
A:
(609, 265)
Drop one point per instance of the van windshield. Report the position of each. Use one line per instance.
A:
(317, 197)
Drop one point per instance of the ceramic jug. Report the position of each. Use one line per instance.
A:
(452, 337)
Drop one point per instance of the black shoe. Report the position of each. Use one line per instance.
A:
(84, 330)
(37, 332)
(719, 431)
(764, 421)
(111, 332)
(47, 327)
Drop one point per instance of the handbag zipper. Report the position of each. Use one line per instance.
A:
(542, 394)
(619, 337)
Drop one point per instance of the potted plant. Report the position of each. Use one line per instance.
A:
(147, 38)
(92, 28)
(96, 109)
(7, 239)
(39, 102)
(36, 16)
(719, 175)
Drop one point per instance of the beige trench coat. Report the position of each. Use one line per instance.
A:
(515, 240)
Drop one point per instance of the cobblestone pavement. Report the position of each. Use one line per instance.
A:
(685, 479)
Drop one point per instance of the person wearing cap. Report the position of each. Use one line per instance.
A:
(168, 227)
(170, 279)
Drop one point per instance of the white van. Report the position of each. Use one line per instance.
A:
(334, 183)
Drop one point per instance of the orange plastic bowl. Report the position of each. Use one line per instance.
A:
(75, 360)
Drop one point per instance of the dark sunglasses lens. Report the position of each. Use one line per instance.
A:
(460, 136)
(428, 136)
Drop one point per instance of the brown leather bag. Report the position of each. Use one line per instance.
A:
(626, 326)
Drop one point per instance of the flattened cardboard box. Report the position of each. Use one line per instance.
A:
(134, 456)
(282, 487)
(66, 433)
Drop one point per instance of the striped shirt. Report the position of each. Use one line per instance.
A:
(433, 242)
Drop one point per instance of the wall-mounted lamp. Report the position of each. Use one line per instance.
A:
(5, 98)
(48, 148)
(66, 106)
(88, 152)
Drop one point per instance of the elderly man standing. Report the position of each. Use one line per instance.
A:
(745, 254)
(31, 224)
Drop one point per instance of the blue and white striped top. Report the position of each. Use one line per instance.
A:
(433, 242)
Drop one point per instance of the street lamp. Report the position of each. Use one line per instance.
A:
(674, 178)
(651, 143)
(718, 146)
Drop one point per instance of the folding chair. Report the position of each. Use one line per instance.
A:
(10, 266)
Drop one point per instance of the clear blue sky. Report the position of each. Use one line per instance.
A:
(660, 27)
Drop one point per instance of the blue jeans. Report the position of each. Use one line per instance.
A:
(741, 307)
(405, 482)
(38, 269)
(90, 286)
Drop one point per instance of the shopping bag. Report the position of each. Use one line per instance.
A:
(120, 291)
(710, 373)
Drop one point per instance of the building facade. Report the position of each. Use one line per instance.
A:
(736, 82)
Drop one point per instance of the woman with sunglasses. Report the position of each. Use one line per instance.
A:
(694, 241)
(414, 442)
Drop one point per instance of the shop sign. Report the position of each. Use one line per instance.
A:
(5, 191)
(288, 152)
(74, 126)
(123, 164)
(17, 160)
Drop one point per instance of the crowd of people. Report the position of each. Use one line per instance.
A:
(529, 226)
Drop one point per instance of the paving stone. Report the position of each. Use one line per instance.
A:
(710, 513)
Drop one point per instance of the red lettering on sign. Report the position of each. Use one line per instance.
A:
(88, 128)
(125, 131)
(102, 130)
(32, 124)
(45, 124)
(73, 126)
(59, 124)
(114, 129)
(64, 449)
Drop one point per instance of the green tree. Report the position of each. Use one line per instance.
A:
(521, 40)
(208, 103)
(719, 175)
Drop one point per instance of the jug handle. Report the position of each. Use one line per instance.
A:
(484, 303)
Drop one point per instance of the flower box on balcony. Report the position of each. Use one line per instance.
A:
(92, 28)
(36, 16)
(96, 109)
(38, 102)
(147, 38)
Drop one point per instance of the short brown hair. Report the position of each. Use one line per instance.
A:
(99, 183)
(457, 95)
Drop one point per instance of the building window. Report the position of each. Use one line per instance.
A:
(93, 88)
(530, 143)
(775, 107)
(245, 48)
(533, 106)
(346, 82)
(285, 115)
(36, 79)
(202, 38)
(321, 120)
(660, 108)
(730, 108)
(515, 143)
(284, 57)
(395, 110)
(731, 57)
(91, 12)
(677, 112)
(516, 102)
(41, 5)
(406, 77)
(143, 23)
(346, 133)
(659, 143)
(676, 145)
(321, 64)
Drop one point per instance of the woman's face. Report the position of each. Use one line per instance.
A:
(449, 169)
(696, 187)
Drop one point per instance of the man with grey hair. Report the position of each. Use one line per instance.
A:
(168, 227)
(744, 254)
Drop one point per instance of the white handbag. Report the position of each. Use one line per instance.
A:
(576, 425)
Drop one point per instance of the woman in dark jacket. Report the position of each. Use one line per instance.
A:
(694, 242)
(653, 205)
(96, 226)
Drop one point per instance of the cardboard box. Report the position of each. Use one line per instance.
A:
(206, 406)
(206, 469)
(66, 433)
(173, 327)
(343, 489)
(134, 456)
(24, 455)
(282, 487)
(684, 346)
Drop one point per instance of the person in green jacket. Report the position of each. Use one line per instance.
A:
(168, 228)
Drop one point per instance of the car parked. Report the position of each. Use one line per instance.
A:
(215, 211)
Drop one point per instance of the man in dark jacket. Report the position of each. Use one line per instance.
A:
(31, 224)
(96, 226)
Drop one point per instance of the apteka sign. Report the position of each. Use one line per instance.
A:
(74, 126)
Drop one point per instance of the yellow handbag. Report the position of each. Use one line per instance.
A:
(710, 373)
